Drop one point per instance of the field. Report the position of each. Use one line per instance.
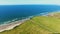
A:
(37, 25)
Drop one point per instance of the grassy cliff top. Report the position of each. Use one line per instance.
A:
(38, 25)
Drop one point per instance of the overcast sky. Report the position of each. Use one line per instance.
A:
(10, 2)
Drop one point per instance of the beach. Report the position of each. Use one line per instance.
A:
(12, 25)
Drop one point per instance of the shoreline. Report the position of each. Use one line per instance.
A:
(50, 13)
(16, 23)
(12, 25)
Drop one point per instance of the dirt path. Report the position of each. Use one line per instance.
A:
(43, 26)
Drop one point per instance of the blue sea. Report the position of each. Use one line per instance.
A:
(11, 12)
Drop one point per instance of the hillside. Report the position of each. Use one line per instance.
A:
(38, 25)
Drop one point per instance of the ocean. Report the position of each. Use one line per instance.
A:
(18, 12)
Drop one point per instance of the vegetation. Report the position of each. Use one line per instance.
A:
(37, 25)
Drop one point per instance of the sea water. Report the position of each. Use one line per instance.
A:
(18, 12)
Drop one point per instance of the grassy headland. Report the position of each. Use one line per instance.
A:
(38, 25)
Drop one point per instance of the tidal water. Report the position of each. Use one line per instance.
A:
(11, 12)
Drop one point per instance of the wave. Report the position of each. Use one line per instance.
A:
(11, 25)
(14, 20)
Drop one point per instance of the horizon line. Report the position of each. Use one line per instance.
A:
(29, 4)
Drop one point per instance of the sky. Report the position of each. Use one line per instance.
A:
(14, 2)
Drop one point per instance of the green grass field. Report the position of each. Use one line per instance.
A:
(37, 25)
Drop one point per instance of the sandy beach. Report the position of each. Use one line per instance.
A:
(12, 25)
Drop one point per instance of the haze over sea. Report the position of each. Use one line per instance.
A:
(11, 12)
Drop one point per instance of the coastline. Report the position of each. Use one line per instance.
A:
(50, 13)
(12, 25)
(16, 23)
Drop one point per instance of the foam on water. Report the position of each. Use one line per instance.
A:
(15, 20)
